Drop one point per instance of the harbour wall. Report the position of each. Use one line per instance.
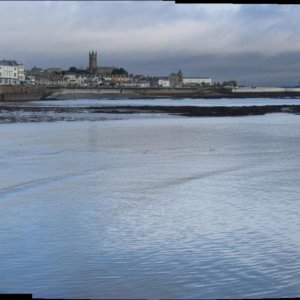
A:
(25, 93)
(266, 90)
(19, 93)
(22, 93)
(67, 93)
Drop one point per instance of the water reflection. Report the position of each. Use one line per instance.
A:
(143, 208)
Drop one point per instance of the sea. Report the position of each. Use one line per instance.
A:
(151, 206)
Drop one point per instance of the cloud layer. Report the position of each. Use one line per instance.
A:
(254, 43)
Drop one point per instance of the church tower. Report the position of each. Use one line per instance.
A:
(92, 61)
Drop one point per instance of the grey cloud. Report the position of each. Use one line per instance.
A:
(258, 42)
(247, 69)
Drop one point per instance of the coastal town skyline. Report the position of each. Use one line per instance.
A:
(254, 44)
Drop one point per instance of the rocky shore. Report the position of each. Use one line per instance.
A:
(15, 112)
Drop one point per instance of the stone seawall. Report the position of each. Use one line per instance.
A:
(24, 93)
(266, 90)
(132, 93)
(98, 93)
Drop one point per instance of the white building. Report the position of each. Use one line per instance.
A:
(73, 79)
(196, 81)
(144, 84)
(164, 83)
(11, 72)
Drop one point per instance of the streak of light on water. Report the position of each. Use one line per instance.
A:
(142, 208)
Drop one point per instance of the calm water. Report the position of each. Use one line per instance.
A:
(151, 208)
(170, 102)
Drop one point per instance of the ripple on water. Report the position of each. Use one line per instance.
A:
(143, 209)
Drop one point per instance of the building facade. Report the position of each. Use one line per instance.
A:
(160, 82)
(119, 79)
(164, 83)
(196, 81)
(104, 71)
(11, 72)
(176, 79)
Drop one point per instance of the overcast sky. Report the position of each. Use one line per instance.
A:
(254, 44)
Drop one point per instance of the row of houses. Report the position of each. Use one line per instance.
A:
(83, 80)
(12, 73)
(159, 82)
(186, 82)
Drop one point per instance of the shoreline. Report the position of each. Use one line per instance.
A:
(15, 113)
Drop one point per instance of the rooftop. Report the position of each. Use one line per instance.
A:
(11, 63)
